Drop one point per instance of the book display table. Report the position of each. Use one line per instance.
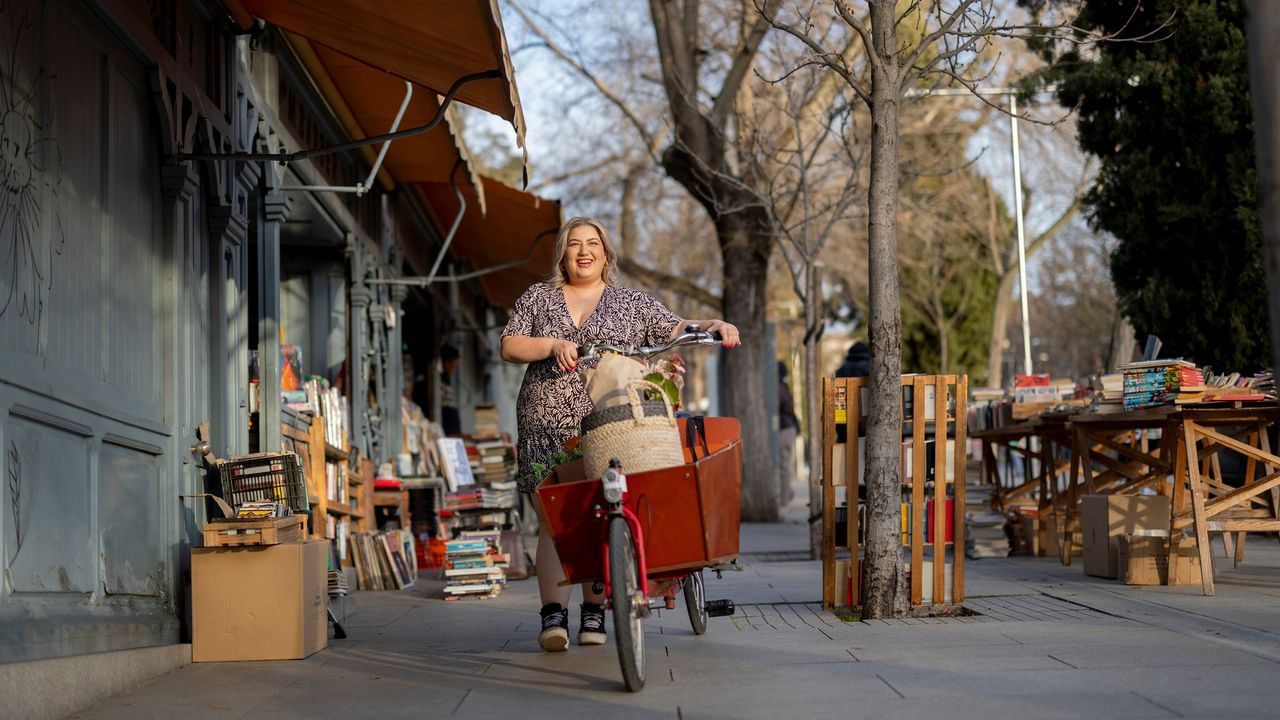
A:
(1113, 454)
(1135, 467)
(1202, 501)
(1016, 441)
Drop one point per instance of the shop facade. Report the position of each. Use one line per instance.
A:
(154, 261)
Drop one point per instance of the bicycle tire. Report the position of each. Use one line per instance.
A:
(624, 587)
(695, 601)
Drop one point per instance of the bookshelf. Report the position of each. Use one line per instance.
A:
(933, 413)
(340, 497)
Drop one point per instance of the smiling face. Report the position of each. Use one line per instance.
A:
(584, 257)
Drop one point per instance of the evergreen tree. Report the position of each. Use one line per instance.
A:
(1169, 116)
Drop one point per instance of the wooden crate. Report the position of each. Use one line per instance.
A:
(262, 531)
(940, 418)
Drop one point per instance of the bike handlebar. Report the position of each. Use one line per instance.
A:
(692, 335)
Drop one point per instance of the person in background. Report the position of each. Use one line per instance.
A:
(580, 302)
(450, 418)
(857, 363)
(788, 426)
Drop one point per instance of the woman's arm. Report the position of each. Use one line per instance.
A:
(728, 332)
(524, 349)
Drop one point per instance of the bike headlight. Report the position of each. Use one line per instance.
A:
(615, 485)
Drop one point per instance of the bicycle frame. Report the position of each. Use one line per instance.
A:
(637, 535)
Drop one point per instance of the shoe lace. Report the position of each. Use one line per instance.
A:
(592, 620)
(558, 618)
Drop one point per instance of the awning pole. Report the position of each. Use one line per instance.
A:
(395, 125)
(453, 229)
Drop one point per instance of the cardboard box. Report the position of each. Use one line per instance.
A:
(1106, 517)
(264, 602)
(1144, 560)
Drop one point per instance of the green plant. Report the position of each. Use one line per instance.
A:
(549, 463)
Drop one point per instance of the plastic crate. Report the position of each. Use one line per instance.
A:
(272, 477)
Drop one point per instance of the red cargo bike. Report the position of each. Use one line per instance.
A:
(648, 536)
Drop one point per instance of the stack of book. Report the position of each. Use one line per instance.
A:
(1162, 382)
(989, 408)
(984, 535)
(1235, 387)
(1112, 392)
(384, 560)
(472, 567)
(494, 461)
(486, 422)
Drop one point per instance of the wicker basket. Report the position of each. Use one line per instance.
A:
(642, 434)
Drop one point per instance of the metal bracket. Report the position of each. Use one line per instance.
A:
(285, 157)
(364, 187)
(427, 281)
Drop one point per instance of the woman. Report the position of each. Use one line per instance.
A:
(579, 303)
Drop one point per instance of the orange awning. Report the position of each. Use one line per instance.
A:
(428, 43)
(516, 223)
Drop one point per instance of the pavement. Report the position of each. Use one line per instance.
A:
(1049, 642)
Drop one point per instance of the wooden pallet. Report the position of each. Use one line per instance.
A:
(262, 531)
(938, 405)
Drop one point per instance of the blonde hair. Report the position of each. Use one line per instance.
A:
(559, 277)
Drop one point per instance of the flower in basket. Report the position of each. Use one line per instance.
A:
(667, 373)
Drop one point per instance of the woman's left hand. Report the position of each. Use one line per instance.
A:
(728, 332)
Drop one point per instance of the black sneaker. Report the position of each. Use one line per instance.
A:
(555, 628)
(591, 627)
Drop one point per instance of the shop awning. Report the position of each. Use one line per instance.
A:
(519, 230)
(432, 43)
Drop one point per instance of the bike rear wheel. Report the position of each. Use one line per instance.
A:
(695, 601)
(624, 590)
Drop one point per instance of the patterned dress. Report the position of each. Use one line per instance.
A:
(552, 404)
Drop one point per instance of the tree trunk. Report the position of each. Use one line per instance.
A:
(745, 268)
(813, 404)
(885, 588)
(1000, 330)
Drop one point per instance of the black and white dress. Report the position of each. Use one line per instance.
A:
(552, 404)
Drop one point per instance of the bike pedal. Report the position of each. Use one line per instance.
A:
(720, 608)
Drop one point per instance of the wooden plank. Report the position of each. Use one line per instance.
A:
(962, 414)
(828, 495)
(853, 461)
(939, 518)
(917, 490)
(1238, 496)
(1264, 442)
(1190, 430)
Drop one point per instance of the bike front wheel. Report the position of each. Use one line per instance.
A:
(695, 601)
(628, 606)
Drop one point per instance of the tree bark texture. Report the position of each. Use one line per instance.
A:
(745, 366)
(885, 594)
(697, 160)
(813, 424)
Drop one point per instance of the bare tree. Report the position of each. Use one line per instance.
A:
(705, 57)
(806, 167)
(906, 44)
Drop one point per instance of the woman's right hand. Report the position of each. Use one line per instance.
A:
(565, 354)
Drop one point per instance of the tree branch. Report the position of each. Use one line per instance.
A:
(582, 70)
(658, 279)
(741, 64)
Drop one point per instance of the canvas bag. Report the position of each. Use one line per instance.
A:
(643, 434)
(607, 381)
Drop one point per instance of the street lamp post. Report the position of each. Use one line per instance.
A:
(1017, 199)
